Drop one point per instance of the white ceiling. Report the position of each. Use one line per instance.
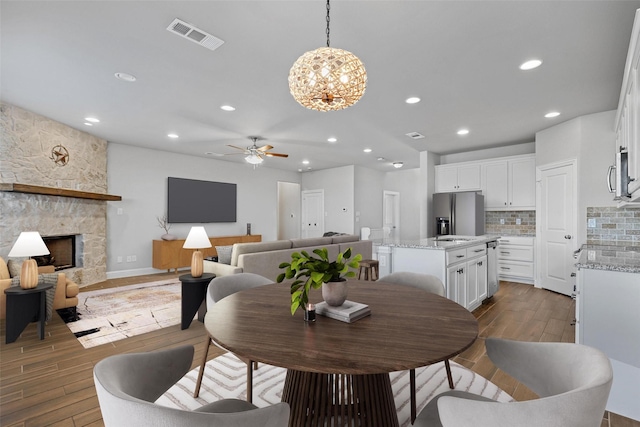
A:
(460, 57)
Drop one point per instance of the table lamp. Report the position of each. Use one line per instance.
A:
(197, 239)
(29, 244)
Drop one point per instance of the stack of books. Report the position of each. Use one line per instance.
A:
(348, 312)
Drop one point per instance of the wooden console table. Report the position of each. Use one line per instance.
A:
(169, 254)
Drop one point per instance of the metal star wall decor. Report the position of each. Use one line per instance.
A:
(60, 155)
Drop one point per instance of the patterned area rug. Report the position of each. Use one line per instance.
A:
(226, 376)
(109, 315)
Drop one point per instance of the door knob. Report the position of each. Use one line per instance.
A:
(567, 236)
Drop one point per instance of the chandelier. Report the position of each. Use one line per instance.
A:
(327, 79)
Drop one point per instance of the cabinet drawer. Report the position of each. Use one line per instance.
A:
(515, 253)
(514, 268)
(516, 240)
(477, 250)
(456, 255)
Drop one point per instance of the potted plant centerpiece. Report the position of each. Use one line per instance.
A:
(319, 272)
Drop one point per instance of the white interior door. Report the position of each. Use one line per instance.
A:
(391, 213)
(313, 213)
(556, 214)
(289, 210)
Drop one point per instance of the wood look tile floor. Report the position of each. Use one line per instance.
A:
(50, 382)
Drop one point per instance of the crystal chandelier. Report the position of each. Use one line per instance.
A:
(327, 79)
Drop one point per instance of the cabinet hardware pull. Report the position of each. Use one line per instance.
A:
(479, 250)
(505, 268)
(573, 274)
(459, 256)
(505, 253)
(573, 322)
(480, 263)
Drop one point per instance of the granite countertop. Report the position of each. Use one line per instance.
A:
(458, 242)
(612, 256)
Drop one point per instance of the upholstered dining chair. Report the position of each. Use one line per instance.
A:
(129, 384)
(572, 380)
(430, 284)
(219, 288)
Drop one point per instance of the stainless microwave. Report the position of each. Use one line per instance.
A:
(621, 175)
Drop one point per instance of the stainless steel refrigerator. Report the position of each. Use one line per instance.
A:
(459, 214)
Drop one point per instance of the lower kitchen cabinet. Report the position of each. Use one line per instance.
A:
(516, 259)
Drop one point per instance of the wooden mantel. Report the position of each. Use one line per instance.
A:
(53, 191)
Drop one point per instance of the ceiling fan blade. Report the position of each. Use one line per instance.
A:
(236, 147)
(276, 155)
(265, 148)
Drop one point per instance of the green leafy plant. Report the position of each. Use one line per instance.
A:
(312, 271)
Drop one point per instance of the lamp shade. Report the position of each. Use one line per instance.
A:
(29, 243)
(197, 239)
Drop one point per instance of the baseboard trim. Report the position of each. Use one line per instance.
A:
(135, 272)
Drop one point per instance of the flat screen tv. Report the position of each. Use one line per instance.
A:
(192, 200)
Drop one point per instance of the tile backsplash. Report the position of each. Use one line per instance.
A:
(611, 224)
(510, 227)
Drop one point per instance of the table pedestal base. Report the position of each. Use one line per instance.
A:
(339, 400)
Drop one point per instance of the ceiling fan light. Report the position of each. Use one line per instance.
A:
(253, 159)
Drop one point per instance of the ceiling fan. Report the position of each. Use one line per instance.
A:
(254, 153)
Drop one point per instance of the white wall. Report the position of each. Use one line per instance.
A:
(338, 185)
(489, 153)
(139, 175)
(368, 198)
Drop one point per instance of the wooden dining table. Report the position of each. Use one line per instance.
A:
(337, 372)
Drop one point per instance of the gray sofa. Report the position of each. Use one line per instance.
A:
(263, 258)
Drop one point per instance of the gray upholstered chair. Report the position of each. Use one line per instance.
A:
(572, 380)
(128, 384)
(430, 284)
(222, 287)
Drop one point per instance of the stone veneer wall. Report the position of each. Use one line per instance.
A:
(526, 227)
(619, 225)
(27, 140)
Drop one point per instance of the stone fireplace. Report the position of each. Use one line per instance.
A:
(62, 251)
(28, 140)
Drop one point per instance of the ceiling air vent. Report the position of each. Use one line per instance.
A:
(415, 135)
(194, 34)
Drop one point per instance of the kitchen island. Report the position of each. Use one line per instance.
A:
(460, 262)
(608, 318)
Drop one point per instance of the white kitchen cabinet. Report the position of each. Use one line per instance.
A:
(456, 283)
(476, 282)
(516, 261)
(458, 177)
(510, 183)
(627, 123)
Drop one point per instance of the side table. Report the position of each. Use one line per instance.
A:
(194, 291)
(23, 307)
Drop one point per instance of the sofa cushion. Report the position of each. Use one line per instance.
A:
(345, 238)
(4, 271)
(224, 254)
(14, 267)
(250, 248)
(310, 241)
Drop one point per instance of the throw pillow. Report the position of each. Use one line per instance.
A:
(224, 254)
(15, 267)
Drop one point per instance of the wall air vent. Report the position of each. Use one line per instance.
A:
(196, 35)
(415, 135)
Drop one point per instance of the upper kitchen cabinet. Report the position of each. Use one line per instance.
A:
(627, 124)
(510, 183)
(458, 177)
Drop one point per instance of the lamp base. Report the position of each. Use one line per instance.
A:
(29, 274)
(196, 264)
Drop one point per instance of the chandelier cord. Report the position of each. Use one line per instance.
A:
(328, 20)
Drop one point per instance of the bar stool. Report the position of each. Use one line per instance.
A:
(370, 269)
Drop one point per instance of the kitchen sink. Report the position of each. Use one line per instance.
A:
(453, 239)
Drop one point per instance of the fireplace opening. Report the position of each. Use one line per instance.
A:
(62, 252)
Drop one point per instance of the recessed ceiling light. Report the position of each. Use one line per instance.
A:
(530, 65)
(227, 108)
(398, 165)
(172, 135)
(305, 162)
(381, 159)
(92, 119)
(88, 124)
(463, 132)
(299, 170)
(332, 139)
(412, 100)
(125, 77)
(367, 150)
(552, 114)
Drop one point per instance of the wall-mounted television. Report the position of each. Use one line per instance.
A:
(192, 200)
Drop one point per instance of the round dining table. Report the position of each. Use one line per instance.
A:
(338, 372)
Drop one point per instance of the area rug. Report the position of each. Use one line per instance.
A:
(109, 315)
(226, 377)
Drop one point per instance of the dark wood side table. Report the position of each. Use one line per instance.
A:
(194, 291)
(23, 307)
